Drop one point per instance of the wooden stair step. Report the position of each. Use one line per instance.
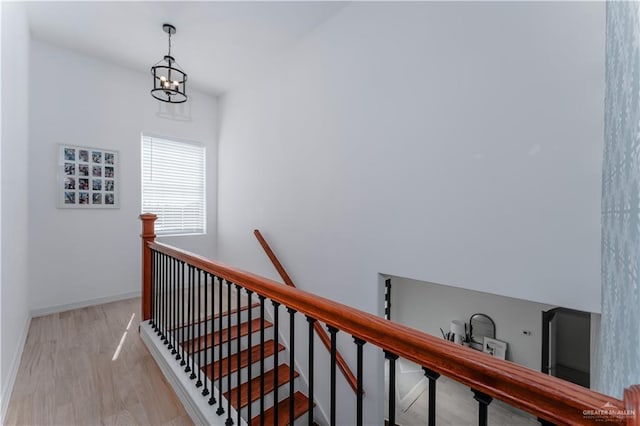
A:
(269, 385)
(300, 407)
(269, 349)
(215, 316)
(205, 342)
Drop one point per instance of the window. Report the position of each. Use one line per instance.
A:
(173, 185)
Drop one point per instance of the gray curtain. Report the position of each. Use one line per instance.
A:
(618, 363)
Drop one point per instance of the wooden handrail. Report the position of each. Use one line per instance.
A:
(544, 396)
(322, 334)
(632, 404)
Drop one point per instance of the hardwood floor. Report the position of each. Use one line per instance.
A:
(90, 367)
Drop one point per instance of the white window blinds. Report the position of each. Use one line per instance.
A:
(173, 185)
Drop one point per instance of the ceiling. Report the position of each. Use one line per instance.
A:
(218, 44)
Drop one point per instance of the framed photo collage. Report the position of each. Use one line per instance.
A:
(87, 178)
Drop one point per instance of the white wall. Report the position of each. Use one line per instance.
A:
(14, 176)
(81, 255)
(429, 307)
(458, 143)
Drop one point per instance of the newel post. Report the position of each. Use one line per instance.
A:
(632, 405)
(148, 235)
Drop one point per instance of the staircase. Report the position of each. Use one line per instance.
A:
(193, 354)
(241, 383)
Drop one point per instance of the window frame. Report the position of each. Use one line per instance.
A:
(177, 232)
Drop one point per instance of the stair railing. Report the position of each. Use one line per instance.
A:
(551, 399)
(322, 334)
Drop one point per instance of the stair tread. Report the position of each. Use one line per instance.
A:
(269, 381)
(205, 342)
(300, 406)
(215, 316)
(269, 349)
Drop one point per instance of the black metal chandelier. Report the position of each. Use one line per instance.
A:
(169, 81)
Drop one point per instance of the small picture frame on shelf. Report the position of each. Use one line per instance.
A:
(88, 178)
(495, 348)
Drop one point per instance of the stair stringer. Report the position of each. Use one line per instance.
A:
(196, 405)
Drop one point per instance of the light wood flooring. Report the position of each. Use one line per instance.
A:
(72, 372)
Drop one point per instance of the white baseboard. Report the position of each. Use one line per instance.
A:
(13, 371)
(83, 304)
(196, 406)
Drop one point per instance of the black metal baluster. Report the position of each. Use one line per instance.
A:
(152, 321)
(392, 386)
(249, 357)
(179, 311)
(202, 366)
(172, 264)
(359, 373)
(292, 345)
(186, 326)
(432, 376)
(238, 347)
(262, 298)
(192, 358)
(165, 304)
(202, 340)
(156, 289)
(174, 301)
(160, 296)
(164, 277)
(483, 403)
(387, 299)
(162, 286)
(311, 322)
(156, 325)
(212, 398)
(229, 420)
(190, 325)
(183, 320)
(156, 285)
(220, 410)
(333, 332)
(159, 293)
(276, 323)
(153, 286)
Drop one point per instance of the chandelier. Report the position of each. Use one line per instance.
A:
(169, 81)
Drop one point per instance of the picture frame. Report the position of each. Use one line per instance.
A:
(88, 178)
(495, 348)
